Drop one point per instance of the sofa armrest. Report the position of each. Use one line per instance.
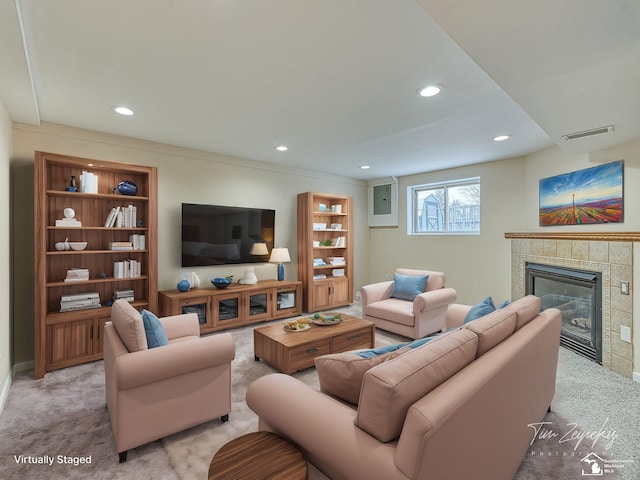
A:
(376, 292)
(434, 299)
(183, 325)
(456, 313)
(322, 428)
(147, 366)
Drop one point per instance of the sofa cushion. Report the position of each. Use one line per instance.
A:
(389, 389)
(156, 336)
(408, 287)
(129, 325)
(525, 308)
(480, 309)
(492, 329)
(392, 309)
(340, 374)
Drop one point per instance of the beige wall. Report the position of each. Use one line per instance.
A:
(184, 175)
(5, 255)
(553, 162)
(477, 266)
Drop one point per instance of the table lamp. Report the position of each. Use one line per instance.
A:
(280, 256)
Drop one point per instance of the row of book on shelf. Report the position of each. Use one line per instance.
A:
(127, 269)
(122, 217)
(86, 300)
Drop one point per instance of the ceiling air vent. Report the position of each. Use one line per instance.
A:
(587, 133)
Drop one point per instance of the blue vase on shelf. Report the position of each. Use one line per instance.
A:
(183, 285)
(127, 188)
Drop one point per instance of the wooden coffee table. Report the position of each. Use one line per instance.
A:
(258, 456)
(291, 351)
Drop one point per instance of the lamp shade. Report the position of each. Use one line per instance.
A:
(280, 255)
(259, 248)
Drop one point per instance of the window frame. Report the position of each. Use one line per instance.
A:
(412, 210)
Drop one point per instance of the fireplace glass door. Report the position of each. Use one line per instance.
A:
(576, 293)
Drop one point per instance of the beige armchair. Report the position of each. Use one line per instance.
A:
(417, 318)
(155, 392)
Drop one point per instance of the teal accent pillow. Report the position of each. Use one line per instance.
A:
(156, 336)
(374, 352)
(480, 309)
(407, 287)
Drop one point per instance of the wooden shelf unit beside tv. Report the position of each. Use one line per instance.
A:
(325, 233)
(72, 337)
(236, 305)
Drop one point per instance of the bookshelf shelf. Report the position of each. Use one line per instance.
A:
(71, 337)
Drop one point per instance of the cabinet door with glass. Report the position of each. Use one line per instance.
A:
(257, 305)
(227, 310)
(199, 306)
(288, 301)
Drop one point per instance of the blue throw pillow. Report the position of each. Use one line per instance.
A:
(407, 287)
(156, 337)
(480, 309)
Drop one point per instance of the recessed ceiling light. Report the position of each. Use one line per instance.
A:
(365, 167)
(502, 138)
(282, 148)
(123, 110)
(430, 90)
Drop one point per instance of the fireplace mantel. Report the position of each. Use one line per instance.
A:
(593, 236)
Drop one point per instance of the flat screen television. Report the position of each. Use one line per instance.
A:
(219, 235)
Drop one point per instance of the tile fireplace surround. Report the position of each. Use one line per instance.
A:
(609, 253)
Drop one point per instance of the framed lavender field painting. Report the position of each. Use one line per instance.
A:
(592, 195)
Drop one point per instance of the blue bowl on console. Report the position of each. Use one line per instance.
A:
(221, 282)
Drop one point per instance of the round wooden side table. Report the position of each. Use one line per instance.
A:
(258, 456)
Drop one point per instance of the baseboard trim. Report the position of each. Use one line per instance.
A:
(636, 377)
(23, 367)
(4, 394)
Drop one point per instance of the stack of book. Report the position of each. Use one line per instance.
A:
(337, 261)
(318, 262)
(319, 276)
(138, 241)
(127, 295)
(122, 217)
(127, 269)
(77, 275)
(120, 246)
(79, 301)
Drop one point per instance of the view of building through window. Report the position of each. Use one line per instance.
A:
(452, 207)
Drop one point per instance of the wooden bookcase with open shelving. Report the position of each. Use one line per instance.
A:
(63, 339)
(321, 288)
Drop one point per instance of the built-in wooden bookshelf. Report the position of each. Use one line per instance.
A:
(64, 338)
(325, 233)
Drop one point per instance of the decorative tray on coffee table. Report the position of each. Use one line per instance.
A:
(326, 319)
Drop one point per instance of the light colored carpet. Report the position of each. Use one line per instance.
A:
(65, 414)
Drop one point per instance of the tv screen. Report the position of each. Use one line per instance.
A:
(218, 235)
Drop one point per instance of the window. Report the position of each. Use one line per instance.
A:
(448, 207)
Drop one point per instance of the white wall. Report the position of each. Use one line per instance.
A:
(184, 175)
(477, 266)
(5, 255)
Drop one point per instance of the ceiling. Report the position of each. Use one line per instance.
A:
(334, 80)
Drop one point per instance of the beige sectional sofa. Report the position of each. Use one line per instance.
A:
(456, 407)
